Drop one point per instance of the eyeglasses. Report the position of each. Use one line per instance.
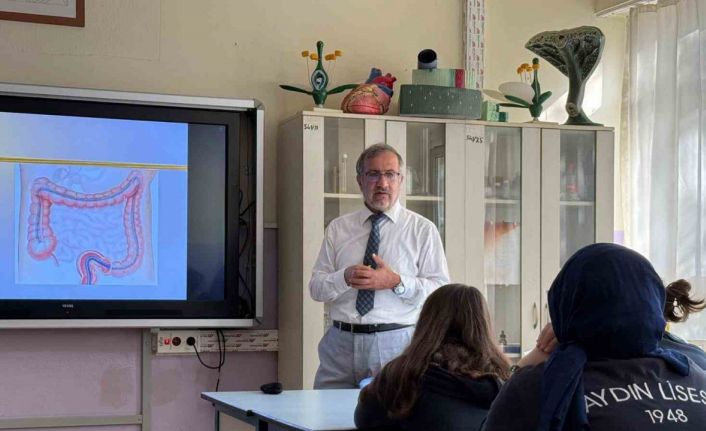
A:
(374, 176)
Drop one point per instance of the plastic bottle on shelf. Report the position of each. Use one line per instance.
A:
(580, 174)
(502, 340)
(516, 187)
(571, 183)
(562, 178)
(489, 170)
(489, 192)
(505, 192)
(327, 178)
(334, 179)
(343, 174)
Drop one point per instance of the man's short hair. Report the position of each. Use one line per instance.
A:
(371, 152)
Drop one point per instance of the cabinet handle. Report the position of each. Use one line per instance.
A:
(535, 316)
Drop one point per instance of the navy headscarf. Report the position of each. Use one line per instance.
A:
(606, 303)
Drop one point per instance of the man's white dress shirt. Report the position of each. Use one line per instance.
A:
(409, 244)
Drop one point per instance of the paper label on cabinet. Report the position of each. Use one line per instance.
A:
(313, 127)
(475, 134)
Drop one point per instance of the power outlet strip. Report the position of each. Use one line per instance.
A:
(179, 341)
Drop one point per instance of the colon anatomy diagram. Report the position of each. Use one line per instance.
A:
(101, 231)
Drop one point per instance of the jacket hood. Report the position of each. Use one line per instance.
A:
(481, 391)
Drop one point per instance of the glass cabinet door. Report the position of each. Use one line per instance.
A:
(577, 191)
(425, 171)
(344, 140)
(502, 245)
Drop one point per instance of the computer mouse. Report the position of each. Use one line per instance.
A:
(273, 388)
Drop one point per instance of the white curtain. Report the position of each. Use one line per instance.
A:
(663, 154)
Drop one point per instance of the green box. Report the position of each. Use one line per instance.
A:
(489, 111)
(442, 77)
(440, 102)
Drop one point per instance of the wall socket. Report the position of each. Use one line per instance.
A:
(178, 341)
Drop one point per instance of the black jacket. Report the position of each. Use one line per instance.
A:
(640, 394)
(671, 341)
(446, 402)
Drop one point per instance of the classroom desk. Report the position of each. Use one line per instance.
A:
(312, 410)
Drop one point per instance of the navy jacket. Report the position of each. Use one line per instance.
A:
(446, 402)
(641, 394)
(696, 354)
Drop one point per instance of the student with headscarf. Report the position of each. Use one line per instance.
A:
(608, 371)
(677, 308)
(449, 374)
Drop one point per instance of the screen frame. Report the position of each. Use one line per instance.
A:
(156, 107)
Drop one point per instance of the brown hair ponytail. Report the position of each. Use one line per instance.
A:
(453, 331)
(679, 305)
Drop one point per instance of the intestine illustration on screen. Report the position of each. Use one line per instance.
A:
(98, 219)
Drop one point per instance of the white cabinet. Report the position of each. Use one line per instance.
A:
(548, 192)
(577, 196)
(512, 202)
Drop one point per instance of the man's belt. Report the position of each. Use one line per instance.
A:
(369, 328)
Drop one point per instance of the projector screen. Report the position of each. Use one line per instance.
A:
(129, 210)
(100, 208)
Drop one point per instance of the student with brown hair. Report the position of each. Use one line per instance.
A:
(447, 377)
(679, 304)
(677, 308)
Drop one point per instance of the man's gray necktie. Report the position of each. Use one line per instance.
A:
(366, 298)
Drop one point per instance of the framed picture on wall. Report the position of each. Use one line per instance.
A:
(58, 12)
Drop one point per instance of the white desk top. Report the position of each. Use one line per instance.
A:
(312, 410)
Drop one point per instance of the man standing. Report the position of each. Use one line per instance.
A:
(375, 269)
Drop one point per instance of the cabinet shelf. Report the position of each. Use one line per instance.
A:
(577, 203)
(343, 196)
(497, 201)
(424, 198)
(359, 196)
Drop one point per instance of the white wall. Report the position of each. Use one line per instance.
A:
(603, 5)
(231, 48)
(510, 24)
(244, 48)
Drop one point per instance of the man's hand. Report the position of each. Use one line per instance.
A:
(367, 278)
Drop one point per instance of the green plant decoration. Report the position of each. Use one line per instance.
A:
(535, 104)
(319, 78)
